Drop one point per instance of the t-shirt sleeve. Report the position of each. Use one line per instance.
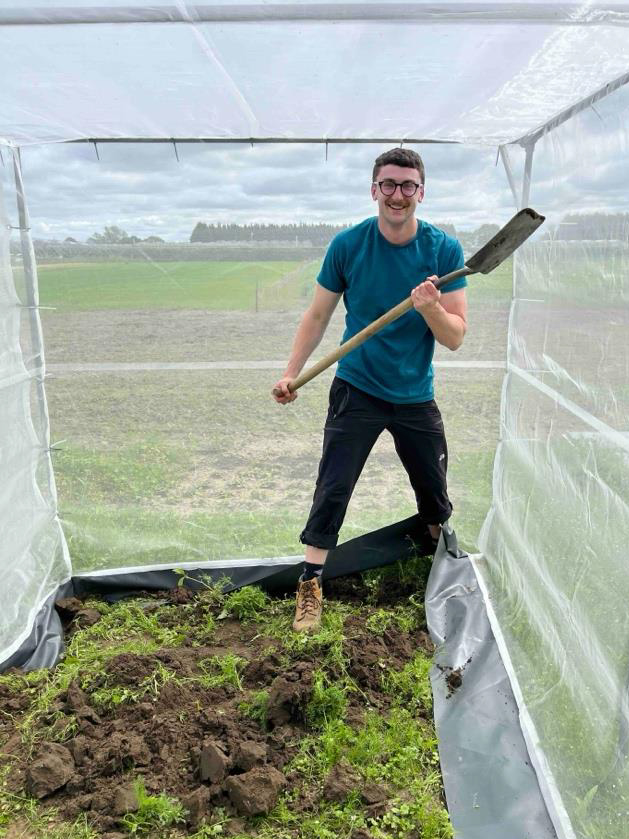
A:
(331, 275)
(452, 259)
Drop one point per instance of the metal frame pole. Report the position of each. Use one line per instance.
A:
(37, 342)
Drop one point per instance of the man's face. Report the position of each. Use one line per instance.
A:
(397, 208)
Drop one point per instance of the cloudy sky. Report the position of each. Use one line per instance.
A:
(146, 190)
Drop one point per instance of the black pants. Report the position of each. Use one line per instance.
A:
(355, 421)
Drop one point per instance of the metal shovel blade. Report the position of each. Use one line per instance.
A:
(505, 242)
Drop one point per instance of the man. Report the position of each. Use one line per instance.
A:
(387, 382)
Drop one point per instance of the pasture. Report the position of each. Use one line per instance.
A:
(162, 464)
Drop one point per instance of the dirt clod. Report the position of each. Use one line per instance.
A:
(235, 827)
(288, 696)
(250, 754)
(341, 781)
(68, 607)
(87, 617)
(197, 805)
(125, 800)
(256, 791)
(373, 793)
(213, 762)
(51, 769)
(454, 679)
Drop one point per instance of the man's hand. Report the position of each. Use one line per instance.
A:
(425, 296)
(281, 393)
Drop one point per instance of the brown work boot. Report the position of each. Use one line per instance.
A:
(309, 605)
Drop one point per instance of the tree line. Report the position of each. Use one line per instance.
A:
(314, 234)
(114, 235)
(575, 226)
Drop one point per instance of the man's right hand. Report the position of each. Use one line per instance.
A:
(281, 393)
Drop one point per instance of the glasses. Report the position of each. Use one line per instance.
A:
(408, 188)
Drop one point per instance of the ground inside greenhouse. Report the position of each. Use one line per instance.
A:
(217, 733)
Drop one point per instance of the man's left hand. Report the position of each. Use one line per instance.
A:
(425, 296)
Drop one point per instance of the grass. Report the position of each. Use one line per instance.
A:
(155, 813)
(168, 285)
(209, 478)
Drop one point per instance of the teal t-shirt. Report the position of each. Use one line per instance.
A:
(374, 275)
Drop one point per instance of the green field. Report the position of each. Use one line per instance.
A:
(172, 466)
(162, 285)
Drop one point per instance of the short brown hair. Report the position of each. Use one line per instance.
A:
(400, 157)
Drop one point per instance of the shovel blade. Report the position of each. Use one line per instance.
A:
(505, 242)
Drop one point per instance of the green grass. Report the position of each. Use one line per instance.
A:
(202, 285)
(154, 815)
(160, 285)
(166, 468)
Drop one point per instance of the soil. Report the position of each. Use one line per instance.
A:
(194, 743)
(453, 676)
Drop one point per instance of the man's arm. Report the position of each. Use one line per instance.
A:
(445, 314)
(309, 333)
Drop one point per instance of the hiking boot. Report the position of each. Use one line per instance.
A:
(425, 544)
(309, 605)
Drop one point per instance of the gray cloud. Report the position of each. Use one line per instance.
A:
(147, 190)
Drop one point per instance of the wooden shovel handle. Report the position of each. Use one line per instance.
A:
(360, 337)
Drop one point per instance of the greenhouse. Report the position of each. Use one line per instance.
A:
(139, 444)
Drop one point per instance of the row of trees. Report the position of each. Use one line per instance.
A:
(573, 226)
(314, 234)
(116, 236)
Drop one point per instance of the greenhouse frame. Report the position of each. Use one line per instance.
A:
(537, 743)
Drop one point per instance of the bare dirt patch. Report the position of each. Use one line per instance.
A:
(200, 744)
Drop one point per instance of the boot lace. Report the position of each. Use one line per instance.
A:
(309, 602)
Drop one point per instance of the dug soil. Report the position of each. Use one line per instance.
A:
(200, 745)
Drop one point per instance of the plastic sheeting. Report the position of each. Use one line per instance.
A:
(490, 783)
(555, 542)
(449, 71)
(34, 560)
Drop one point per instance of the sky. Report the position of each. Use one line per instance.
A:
(146, 190)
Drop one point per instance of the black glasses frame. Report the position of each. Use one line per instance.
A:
(400, 184)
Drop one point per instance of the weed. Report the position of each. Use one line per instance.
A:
(212, 591)
(257, 707)
(155, 813)
(150, 686)
(327, 701)
(410, 686)
(405, 817)
(379, 621)
(222, 671)
(246, 604)
(214, 830)
(406, 618)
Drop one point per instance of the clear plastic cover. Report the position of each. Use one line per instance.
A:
(167, 447)
(437, 71)
(555, 541)
(32, 557)
(161, 356)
